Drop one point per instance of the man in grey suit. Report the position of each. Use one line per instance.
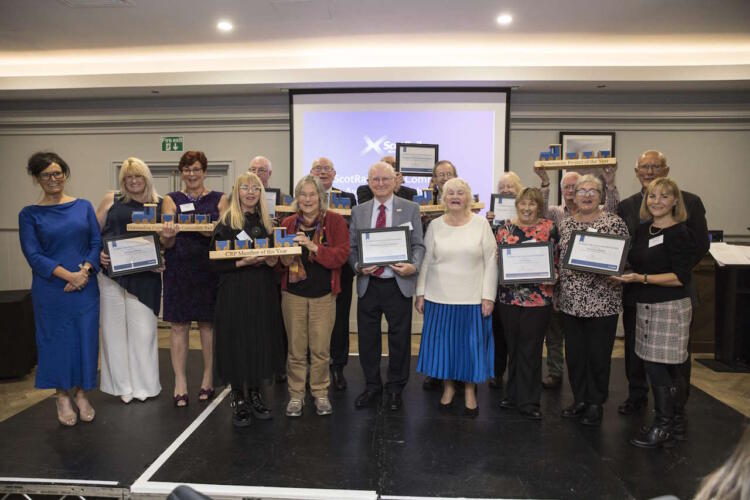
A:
(385, 289)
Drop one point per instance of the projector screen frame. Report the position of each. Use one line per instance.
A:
(385, 90)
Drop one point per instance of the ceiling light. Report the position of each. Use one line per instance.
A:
(224, 26)
(504, 19)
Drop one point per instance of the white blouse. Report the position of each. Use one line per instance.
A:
(460, 263)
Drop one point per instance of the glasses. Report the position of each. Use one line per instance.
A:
(381, 180)
(259, 170)
(192, 171)
(587, 192)
(57, 175)
(322, 168)
(246, 189)
(444, 176)
(654, 168)
(308, 195)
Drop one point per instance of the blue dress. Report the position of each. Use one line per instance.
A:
(67, 323)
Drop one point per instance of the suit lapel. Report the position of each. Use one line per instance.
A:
(368, 213)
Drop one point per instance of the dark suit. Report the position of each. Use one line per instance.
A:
(364, 193)
(340, 333)
(629, 210)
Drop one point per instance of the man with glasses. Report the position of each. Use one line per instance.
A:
(364, 193)
(322, 168)
(652, 165)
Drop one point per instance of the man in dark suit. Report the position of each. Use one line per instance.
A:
(322, 168)
(651, 165)
(364, 193)
(385, 290)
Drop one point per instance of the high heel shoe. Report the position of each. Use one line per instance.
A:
(86, 412)
(68, 419)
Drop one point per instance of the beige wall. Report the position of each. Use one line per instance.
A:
(705, 137)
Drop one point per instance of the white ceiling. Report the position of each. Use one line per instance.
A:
(50, 49)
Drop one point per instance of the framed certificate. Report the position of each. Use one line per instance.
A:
(132, 253)
(387, 245)
(526, 263)
(596, 253)
(416, 159)
(504, 208)
(273, 198)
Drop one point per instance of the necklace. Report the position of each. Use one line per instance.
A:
(658, 230)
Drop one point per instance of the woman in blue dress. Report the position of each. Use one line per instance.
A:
(60, 239)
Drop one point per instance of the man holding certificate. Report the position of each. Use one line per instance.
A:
(386, 251)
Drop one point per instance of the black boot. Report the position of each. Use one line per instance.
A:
(679, 423)
(660, 432)
(241, 416)
(260, 410)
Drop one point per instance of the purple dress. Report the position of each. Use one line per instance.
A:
(189, 282)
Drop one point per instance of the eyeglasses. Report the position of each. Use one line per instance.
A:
(381, 180)
(654, 168)
(444, 176)
(57, 175)
(308, 195)
(192, 171)
(258, 170)
(587, 192)
(322, 168)
(246, 189)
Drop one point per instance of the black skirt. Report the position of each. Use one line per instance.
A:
(247, 327)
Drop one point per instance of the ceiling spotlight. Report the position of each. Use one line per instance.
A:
(225, 26)
(504, 19)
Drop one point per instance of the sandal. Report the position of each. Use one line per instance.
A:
(205, 394)
(66, 419)
(86, 412)
(180, 398)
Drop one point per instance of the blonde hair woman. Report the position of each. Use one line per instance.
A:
(456, 293)
(129, 304)
(248, 346)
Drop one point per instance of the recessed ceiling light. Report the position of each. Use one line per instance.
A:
(225, 26)
(504, 19)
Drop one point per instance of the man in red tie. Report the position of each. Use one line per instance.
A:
(385, 290)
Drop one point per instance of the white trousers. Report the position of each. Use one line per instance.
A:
(130, 352)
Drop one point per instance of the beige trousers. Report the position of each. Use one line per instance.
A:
(308, 323)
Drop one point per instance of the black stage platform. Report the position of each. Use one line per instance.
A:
(145, 449)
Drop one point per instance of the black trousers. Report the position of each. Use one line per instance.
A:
(662, 374)
(383, 296)
(340, 333)
(588, 352)
(524, 329)
(501, 348)
(635, 368)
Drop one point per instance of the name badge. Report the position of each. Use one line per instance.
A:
(591, 230)
(656, 241)
(187, 207)
(242, 235)
(408, 224)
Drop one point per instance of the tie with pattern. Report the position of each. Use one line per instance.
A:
(380, 222)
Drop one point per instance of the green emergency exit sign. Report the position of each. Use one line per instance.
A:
(171, 143)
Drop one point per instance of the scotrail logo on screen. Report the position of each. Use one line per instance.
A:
(381, 146)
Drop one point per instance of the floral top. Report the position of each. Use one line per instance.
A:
(585, 294)
(526, 294)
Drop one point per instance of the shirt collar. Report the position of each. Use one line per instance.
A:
(388, 204)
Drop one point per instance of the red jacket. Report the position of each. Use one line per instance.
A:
(332, 254)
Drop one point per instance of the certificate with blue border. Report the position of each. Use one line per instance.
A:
(388, 245)
(132, 253)
(596, 253)
(526, 263)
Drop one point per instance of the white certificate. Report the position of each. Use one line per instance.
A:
(132, 253)
(383, 246)
(527, 263)
(596, 252)
(271, 203)
(504, 208)
(416, 159)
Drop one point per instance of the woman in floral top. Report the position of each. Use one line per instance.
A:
(590, 304)
(525, 309)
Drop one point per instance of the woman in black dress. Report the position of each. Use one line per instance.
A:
(248, 313)
(661, 256)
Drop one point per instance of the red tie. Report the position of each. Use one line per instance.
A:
(380, 222)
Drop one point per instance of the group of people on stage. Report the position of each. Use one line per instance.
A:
(287, 317)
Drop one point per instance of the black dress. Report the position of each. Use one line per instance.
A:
(247, 323)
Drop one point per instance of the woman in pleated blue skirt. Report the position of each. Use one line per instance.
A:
(456, 292)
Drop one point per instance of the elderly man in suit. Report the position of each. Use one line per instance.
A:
(322, 168)
(385, 289)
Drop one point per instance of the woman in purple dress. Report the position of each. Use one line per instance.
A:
(189, 282)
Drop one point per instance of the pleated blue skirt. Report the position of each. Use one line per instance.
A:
(457, 343)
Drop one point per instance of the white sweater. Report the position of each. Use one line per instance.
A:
(460, 263)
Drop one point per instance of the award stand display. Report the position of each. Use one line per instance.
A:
(428, 209)
(283, 245)
(552, 159)
(145, 221)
